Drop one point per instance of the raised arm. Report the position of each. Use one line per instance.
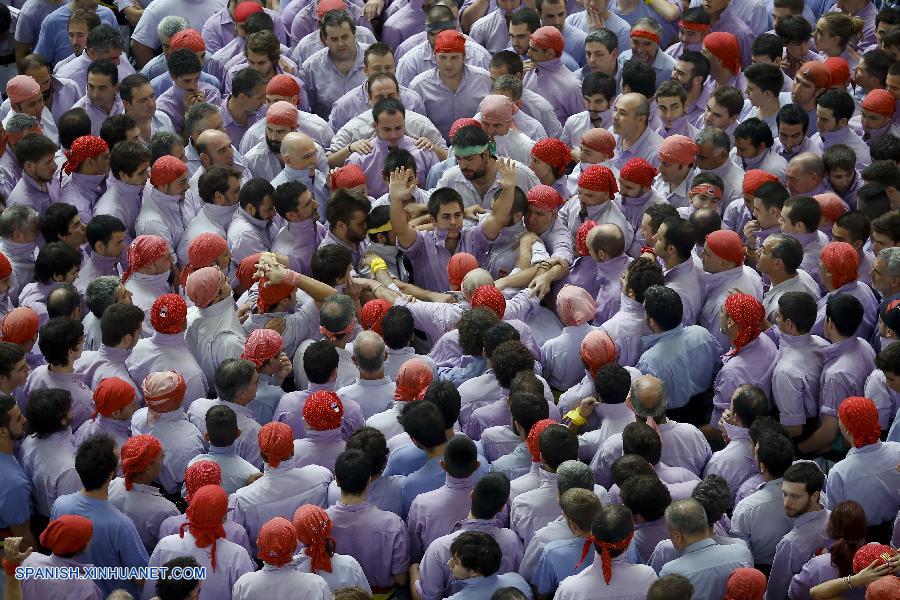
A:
(494, 222)
(399, 190)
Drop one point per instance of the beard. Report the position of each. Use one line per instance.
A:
(274, 146)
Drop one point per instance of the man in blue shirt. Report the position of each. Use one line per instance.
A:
(474, 561)
(15, 492)
(115, 542)
(53, 41)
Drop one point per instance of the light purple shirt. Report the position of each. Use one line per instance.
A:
(219, 29)
(866, 297)
(248, 235)
(628, 582)
(795, 379)
(795, 549)
(552, 80)
(97, 365)
(869, 476)
(429, 255)
(753, 363)
(372, 395)
(846, 365)
(28, 192)
(76, 71)
(434, 513)
(49, 463)
(319, 448)
(42, 378)
(735, 462)
(885, 398)
(561, 356)
(818, 570)
(373, 163)
(32, 587)
(626, 328)
(122, 200)
(181, 440)
(421, 59)
(646, 146)
(325, 84)
(443, 105)
(171, 102)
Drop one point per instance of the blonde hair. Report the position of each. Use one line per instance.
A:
(843, 26)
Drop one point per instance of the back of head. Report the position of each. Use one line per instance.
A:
(353, 470)
(336, 314)
(233, 375)
(572, 474)
(845, 312)
(646, 496)
(508, 360)
(472, 327)
(460, 457)
(630, 465)
(558, 444)
(118, 321)
(96, 461)
(613, 524)
(368, 352)
(320, 360)
(776, 453)
(580, 506)
(641, 439)
(445, 396)
(477, 551)
(171, 587)
(397, 327)
(749, 402)
(714, 496)
(221, 426)
(373, 444)
(671, 587)
(688, 517)
(527, 409)
(612, 383)
(490, 495)
(101, 293)
(424, 423)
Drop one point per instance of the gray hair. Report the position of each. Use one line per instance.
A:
(603, 36)
(20, 122)
(715, 136)
(161, 144)
(232, 376)
(336, 312)
(646, 385)
(171, 25)
(509, 83)
(687, 516)
(368, 351)
(195, 120)
(891, 256)
(647, 24)
(473, 280)
(574, 474)
(105, 38)
(101, 294)
(17, 218)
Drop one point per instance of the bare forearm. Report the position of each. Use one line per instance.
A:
(142, 54)
(475, 11)
(339, 158)
(820, 441)
(519, 279)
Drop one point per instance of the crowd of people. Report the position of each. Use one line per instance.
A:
(469, 299)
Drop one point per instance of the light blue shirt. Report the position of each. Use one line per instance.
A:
(760, 521)
(708, 566)
(15, 493)
(479, 588)
(684, 358)
(235, 470)
(53, 41)
(115, 542)
(869, 476)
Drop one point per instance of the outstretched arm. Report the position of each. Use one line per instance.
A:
(499, 215)
(400, 190)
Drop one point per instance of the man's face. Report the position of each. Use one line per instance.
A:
(256, 98)
(796, 500)
(893, 85)
(449, 64)
(16, 418)
(841, 179)
(177, 187)
(381, 89)
(114, 55)
(356, 230)
(670, 109)
(266, 209)
(589, 156)
(746, 149)
(791, 136)
(101, 91)
(458, 571)
(690, 36)
(872, 120)
(881, 30)
(449, 217)
(495, 128)
(262, 64)
(230, 197)
(306, 207)
(143, 103)
(592, 198)
(78, 33)
(710, 157)
(101, 163)
(390, 128)
(683, 73)
(672, 172)
(538, 54)
(219, 151)
(595, 105)
(188, 83)
(509, 6)
(474, 166)
(765, 217)
(825, 120)
(787, 226)
(755, 95)
(340, 41)
(764, 261)
(659, 240)
(630, 189)
(44, 168)
(715, 6)
(379, 64)
(519, 36)
(34, 106)
(139, 177)
(542, 170)
(797, 180)
(717, 116)
(538, 220)
(166, 43)
(304, 156)
(644, 50)
(626, 121)
(553, 13)
(804, 91)
(123, 295)
(274, 135)
(599, 59)
(862, 78)
(115, 246)
(880, 242)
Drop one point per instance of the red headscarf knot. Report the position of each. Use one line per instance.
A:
(597, 349)
(276, 442)
(860, 418)
(313, 527)
(203, 252)
(490, 297)
(604, 549)
(323, 411)
(206, 517)
(638, 171)
(554, 152)
(413, 380)
(748, 313)
(373, 312)
(199, 474)
(581, 237)
(545, 197)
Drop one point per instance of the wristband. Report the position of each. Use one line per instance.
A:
(9, 566)
(576, 418)
(378, 264)
(648, 250)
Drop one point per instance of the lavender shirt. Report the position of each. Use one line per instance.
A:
(718, 288)
(869, 476)
(356, 102)
(753, 363)
(735, 462)
(552, 80)
(846, 365)
(795, 549)
(57, 588)
(429, 254)
(171, 102)
(319, 448)
(866, 297)
(42, 378)
(443, 105)
(373, 163)
(434, 513)
(646, 146)
(795, 379)
(76, 71)
(626, 328)
(325, 84)
(561, 356)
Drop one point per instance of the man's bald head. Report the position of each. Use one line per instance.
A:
(809, 163)
(214, 147)
(368, 352)
(633, 101)
(648, 398)
(473, 280)
(804, 173)
(606, 238)
(630, 115)
(298, 150)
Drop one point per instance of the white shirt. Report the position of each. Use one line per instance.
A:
(386, 421)
(345, 572)
(214, 335)
(372, 395)
(168, 352)
(278, 493)
(145, 506)
(347, 372)
(235, 470)
(247, 444)
(286, 581)
(50, 465)
(180, 439)
(396, 358)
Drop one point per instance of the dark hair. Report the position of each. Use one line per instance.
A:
(705, 221)
(445, 396)
(659, 213)
(477, 551)
(775, 452)
(72, 124)
(498, 333)
(10, 355)
(799, 308)
(714, 495)
(772, 194)
(34, 147)
(793, 114)
(54, 223)
(257, 22)
(58, 337)
(7, 403)
(845, 311)
(749, 402)
(807, 473)
(765, 76)
(397, 159)
(558, 444)
(679, 233)
(388, 106)
(645, 495)
(335, 18)
(221, 426)
(47, 410)
(804, 209)
(789, 251)
(56, 258)
(882, 172)
(115, 128)
(105, 67)
(771, 46)
(129, 83)
(872, 200)
(330, 263)
(119, 320)
(755, 130)
(101, 229)
(847, 526)
(183, 62)
(378, 49)
(839, 156)
(254, 192)
(878, 63)
(764, 426)
(63, 301)
(613, 524)
(509, 60)
(729, 97)
(245, 81)
(373, 444)
(599, 83)
(630, 465)
(663, 305)
(126, 157)
(888, 360)
(489, 495)
(793, 29)
(888, 224)
(857, 224)
(460, 457)
(353, 470)
(886, 146)
(343, 205)
(398, 326)
(424, 423)
(320, 359)
(287, 196)
(840, 102)
(641, 275)
(170, 588)
(472, 327)
(527, 409)
(216, 179)
(639, 438)
(639, 77)
(470, 135)
(700, 66)
(612, 383)
(671, 587)
(95, 461)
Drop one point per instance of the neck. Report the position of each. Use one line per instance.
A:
(7, 388)
(435, 452)
(694, 94)
(779, 277)
(451, 82)
(237, 111)
(6, 445)
(353, 499)
(101, 493)
(672, 260)
(61, 368)
(372, 375)
(694, 539)
(628, 141)
(722, 75)
(768, 108)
